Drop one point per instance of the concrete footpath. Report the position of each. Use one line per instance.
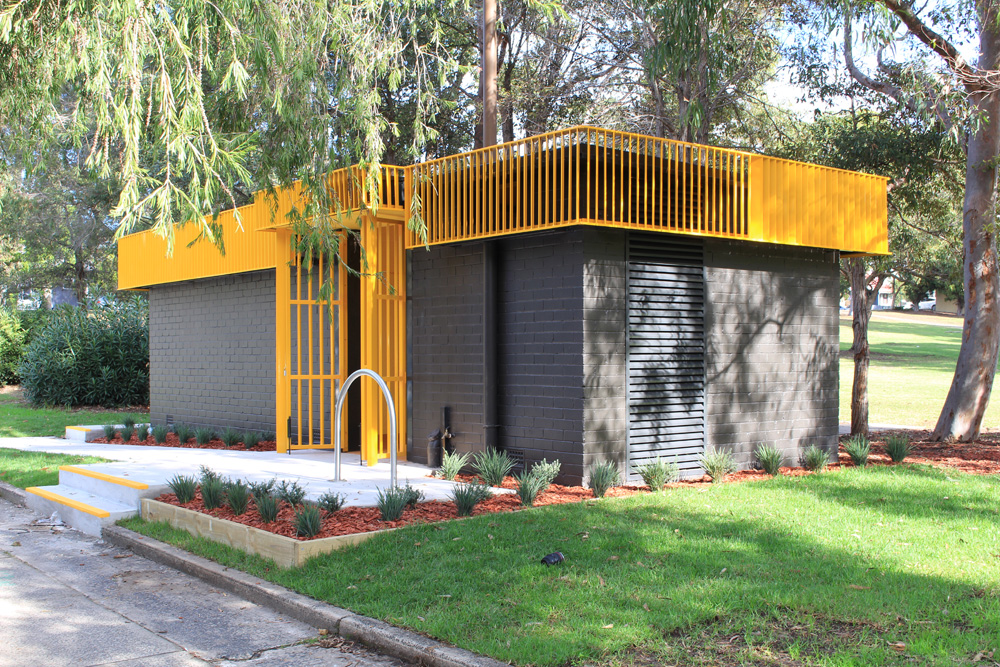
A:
(67, 599)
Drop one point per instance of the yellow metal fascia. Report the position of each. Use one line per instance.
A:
(143, 258)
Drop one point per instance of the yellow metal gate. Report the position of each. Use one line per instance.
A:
(312, 344)
(311, 352)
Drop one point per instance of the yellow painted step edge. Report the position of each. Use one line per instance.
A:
(69, 502)
(121, 481)
(78, 428)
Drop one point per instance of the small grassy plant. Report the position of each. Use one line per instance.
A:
(858, 448)
(452, 464)
(467, 496)
(493, 466)
(603, 476)
(656, 474)
(308, 521)
(898, 448)
(391, 502)
(769, 458)
(160, 434)
(815, 459)
(267, 506)
(231, 437)
(238, 496)
(183, 487)
(718, 464)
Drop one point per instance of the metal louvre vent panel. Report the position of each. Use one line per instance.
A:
(666, 350)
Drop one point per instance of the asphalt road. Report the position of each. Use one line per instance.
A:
(68, 599)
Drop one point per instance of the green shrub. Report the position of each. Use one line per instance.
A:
(815, 459)
(858, 448)
(291, 492)
(32, 323)
(250, 439)
(90, 357)
(12, 346)
(546, 472)
(769, 457)
(308, 521)
(656, 474)
(331, 502)
(718, 464)
(230, 437)
(141, 432)
(493, 465)
(267, 507)
(452, 464)
(183, 487)
(268, 436)
(238, 496)
(183, 433)
(413, 496)
(128, 421)
(127, 432)
(205, 474)
(213, 492)
(109, 431)
(467, 496)
(263, 488)
(391, 503)
(160, 434)
(898, 448)
(603, 476)
(529, 485)
(203, 436)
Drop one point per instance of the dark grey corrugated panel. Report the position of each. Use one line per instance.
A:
(666, 355)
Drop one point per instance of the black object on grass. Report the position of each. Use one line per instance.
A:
(553, 558)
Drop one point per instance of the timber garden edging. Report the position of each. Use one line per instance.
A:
(285, 551)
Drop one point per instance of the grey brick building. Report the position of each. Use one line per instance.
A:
(679, 301)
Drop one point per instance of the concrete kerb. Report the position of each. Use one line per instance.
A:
(381, 636)
(12, 494)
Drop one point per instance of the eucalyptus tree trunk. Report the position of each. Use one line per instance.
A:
(863, 295)
(963, 411)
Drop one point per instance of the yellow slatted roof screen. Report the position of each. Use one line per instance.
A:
(579, 176)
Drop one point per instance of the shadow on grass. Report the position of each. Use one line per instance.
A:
(651, 571)
(896, 491)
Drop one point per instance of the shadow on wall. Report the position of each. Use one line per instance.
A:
(772, 365)
(605, 424)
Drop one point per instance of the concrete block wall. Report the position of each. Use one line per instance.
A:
(212, 352)
(772, 348)
(541, 343)
(605, 371)
(446, 345)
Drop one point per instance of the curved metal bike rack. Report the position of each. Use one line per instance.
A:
(341, 397)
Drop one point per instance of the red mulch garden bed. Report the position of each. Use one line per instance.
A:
(981, 457)
(174, 441)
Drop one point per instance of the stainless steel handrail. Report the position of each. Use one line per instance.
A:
(341, 397)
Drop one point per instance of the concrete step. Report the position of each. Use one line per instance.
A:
(84, 511)
(116, 482)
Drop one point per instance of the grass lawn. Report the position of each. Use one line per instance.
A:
(18, 419)
(830, 569)
(24, 469)
(911, 371)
